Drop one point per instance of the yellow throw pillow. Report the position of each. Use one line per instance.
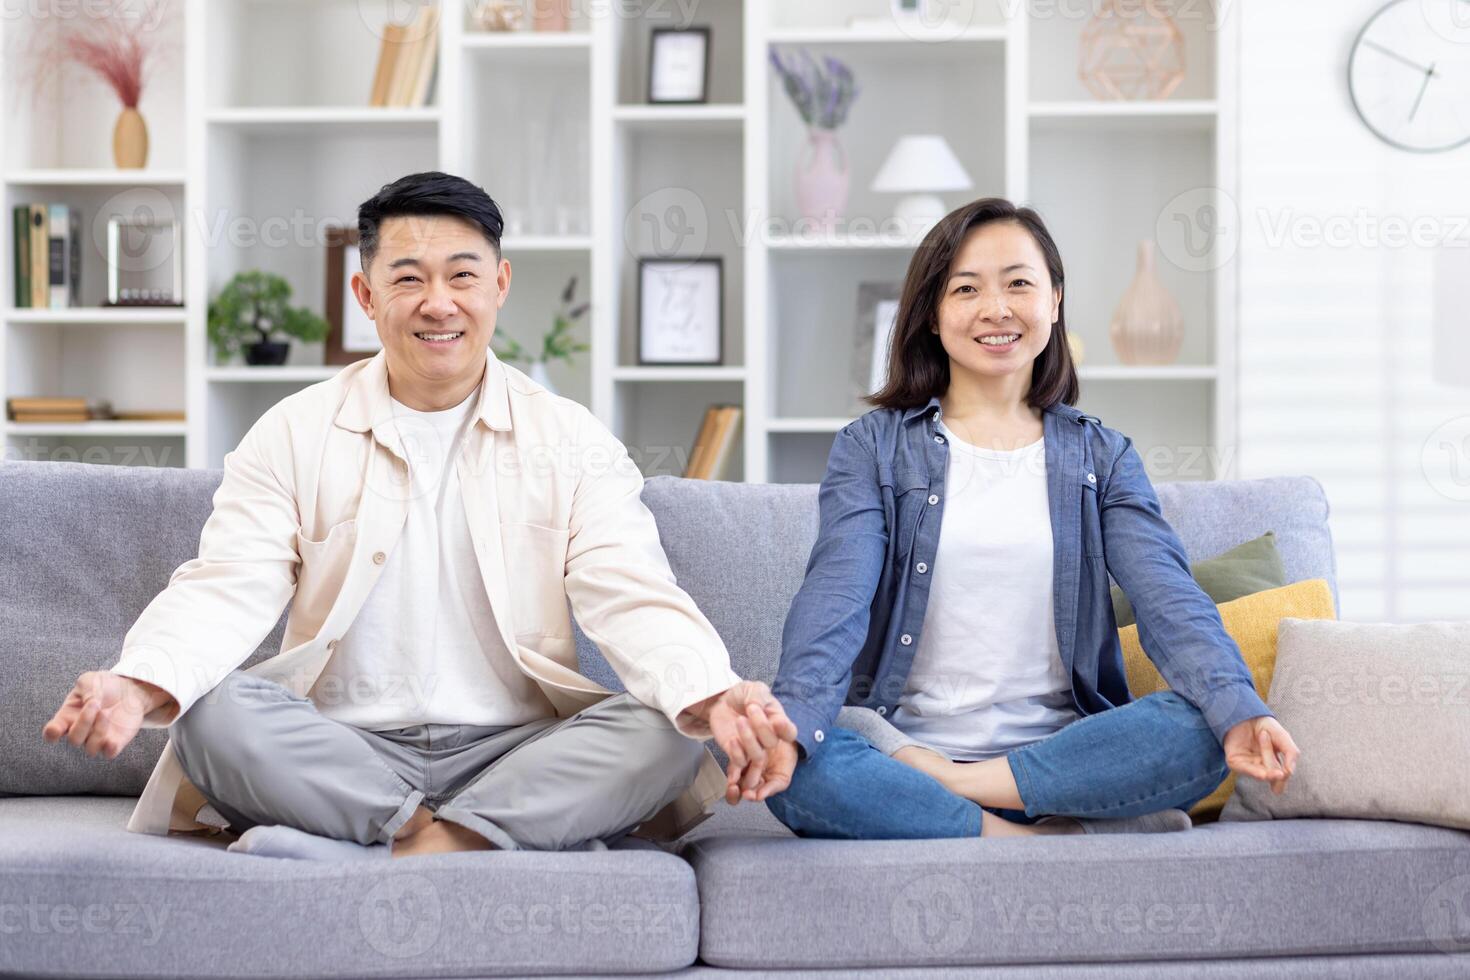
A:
(1251, 622)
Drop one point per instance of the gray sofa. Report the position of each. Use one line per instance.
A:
(86, 547)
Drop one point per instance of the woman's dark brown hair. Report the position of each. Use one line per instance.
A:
(918, 367)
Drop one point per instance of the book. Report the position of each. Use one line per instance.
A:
(422, 36)
(51, 417)
(713, 446)
(428, 61)
(702, 441)
(64, 241)
(724, 442)
(37, 403)
(21, 222)
(40, 266)
(389, 53)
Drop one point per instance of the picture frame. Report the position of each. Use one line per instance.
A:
(137, 249)
(351, 336)
(678, 65)
(877, 308)
(681, 311)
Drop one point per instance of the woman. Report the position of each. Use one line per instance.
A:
(957, 597)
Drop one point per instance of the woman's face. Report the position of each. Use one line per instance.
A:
(998, 288)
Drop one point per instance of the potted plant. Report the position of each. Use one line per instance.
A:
(251, 308)
(822, 94)
(557, 344)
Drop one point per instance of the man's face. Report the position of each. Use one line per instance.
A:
(433, 275)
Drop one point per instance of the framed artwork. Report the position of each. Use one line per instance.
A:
(877, 309)
(352, 336)
(678, 64)
(680, 311)
(145, 262)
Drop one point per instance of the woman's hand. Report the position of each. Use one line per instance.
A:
(1259, 747)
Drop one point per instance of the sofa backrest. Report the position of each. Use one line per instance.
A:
(740, 550)
(84, 548)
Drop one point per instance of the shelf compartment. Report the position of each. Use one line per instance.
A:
(658, 422)
(635, 23)
(954, 91)
(290, 53)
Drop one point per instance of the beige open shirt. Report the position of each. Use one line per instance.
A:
(313, 501)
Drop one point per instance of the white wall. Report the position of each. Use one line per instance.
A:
(1336, 328)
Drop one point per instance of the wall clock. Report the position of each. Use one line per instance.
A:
(1409, 74)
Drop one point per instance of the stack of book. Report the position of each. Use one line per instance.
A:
(57, 409)
(407, 61)
(712, 447)
(47, 246)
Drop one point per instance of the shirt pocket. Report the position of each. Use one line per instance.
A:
(323, 569)
(535, 568)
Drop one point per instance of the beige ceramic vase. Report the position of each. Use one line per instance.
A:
(1147, 326)
(130, 140)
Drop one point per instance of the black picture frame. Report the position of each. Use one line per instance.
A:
(646, 264)
(653, 42)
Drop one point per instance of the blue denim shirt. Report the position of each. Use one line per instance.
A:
(854, 626)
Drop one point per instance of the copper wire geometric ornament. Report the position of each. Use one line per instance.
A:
(1131, 49)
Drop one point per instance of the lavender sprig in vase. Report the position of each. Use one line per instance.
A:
(822, 94)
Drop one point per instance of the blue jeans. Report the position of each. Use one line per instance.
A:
(1148, 755)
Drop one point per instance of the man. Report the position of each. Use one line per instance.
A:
(429, 512)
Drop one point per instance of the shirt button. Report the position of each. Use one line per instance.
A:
(933, 499)
(1091, 478)
(939, 439)
(882, 709)
(921, 568)
(331, 644)
(379, 558)
(936, 416)
(906, 639)
(817, 735)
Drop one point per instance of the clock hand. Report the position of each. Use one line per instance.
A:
(1428, 74)
(1396, 56)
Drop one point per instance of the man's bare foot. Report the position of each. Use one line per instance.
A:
(440, 837)
(993, 825)
(421, 818)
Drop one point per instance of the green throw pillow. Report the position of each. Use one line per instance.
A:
(1243, 570)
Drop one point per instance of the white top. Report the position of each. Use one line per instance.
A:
(987, 675)
(425, 647)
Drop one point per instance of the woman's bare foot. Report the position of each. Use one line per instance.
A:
(989, 783)
(440, 837)
(993, 825)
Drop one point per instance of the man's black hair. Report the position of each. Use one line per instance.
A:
(427, 193)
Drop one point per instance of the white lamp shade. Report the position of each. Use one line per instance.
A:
(919, 164)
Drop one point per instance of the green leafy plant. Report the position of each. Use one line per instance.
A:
(558, 343)
(252, 307)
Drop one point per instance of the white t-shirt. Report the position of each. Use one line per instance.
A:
(987, 675)
(425, 647)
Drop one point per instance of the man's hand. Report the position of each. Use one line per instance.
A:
(749, 725)
(103, 712)
(1252, 747)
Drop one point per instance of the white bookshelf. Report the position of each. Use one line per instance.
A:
(261, 124)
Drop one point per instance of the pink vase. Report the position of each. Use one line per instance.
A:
(822, 178)
(1147, 326)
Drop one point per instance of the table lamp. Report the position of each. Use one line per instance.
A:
(919, 167)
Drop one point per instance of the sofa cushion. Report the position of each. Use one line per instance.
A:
(1243, 570)
(1282, 888)
(83, 550)
(1381, 714)
(1252, 622)
(81, 896)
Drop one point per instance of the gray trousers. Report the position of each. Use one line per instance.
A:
(262, 755)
